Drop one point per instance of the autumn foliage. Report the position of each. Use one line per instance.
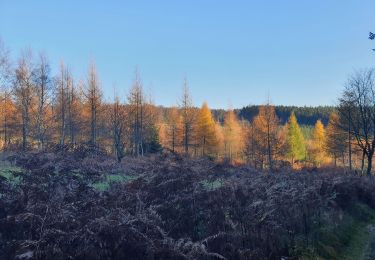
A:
(207, 140)
(40, 111)
(296, 148)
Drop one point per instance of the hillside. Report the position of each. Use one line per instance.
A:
(82, 204)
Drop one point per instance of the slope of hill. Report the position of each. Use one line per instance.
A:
(83, 205)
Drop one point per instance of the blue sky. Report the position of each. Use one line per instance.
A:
(233, 53)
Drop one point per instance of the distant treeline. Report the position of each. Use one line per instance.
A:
(305, 115)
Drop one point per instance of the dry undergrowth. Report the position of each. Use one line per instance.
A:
(167, 207)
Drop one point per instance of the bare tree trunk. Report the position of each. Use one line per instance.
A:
(42, 81)
(173, 138)
(93, 124)
(118, 118)
(350, 145)
(343, 158)
(24, 93)
(25, 128)
(186, 138)
(363, 160)
(5, 123)
(369, 162)
(335, 159)
(6, 114)
(269, 147)
(186, 105)
(62, 102)
(93, 96)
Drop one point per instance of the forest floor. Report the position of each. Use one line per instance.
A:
(369, 252)
(82, 204)
(362, 244)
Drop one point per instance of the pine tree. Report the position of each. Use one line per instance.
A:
(296, 148)
(318, 143)
(206, 136)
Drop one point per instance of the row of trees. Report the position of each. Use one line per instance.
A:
(264, 142)
(39, 110)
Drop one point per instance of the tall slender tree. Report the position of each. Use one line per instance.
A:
(94, 100)
(74, 108)
(233, 139)
(136, 104)
(336, 138)
(7, 105)
(319, 143)
(42, 81)
(250, 148)
(24, 93)
(173, 129)
(205, 131)
(296, 148)
(188, 117)
(61, 104)
(118, 128)
(266, 131)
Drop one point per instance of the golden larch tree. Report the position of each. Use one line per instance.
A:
(9, 120)
(336, 138)
(220, 140)
(233, 141)
(266, 133)
(173, 129)
(187, 117)
(318, 143)
(205, 131)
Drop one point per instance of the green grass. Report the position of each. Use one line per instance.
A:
(357, 246)
(359, 233)
(348, 240)
(78, 174)
(112, 178)
(211, 185)
(8, 172)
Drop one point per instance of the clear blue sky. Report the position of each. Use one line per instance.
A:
(233, 52)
